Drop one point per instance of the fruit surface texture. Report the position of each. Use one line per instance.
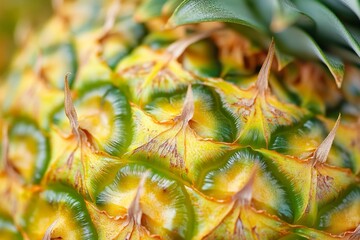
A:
(184, 119)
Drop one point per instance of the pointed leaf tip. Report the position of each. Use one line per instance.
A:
(322, 152)
(262, 82)
(339, 81)
(297, 42)
(354, 6)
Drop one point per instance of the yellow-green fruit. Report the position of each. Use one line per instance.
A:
(137, 120)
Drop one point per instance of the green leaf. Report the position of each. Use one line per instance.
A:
(283, 58)
(264, 10)
(354, 5)
(276, 14)
(233, 11)
(285, 15)
(355, 32)
(296, 42)
(342, 11)
(170, 6)
(345, 54)
(328, 26)
(260, 39)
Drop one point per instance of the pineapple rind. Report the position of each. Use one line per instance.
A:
(195, 162)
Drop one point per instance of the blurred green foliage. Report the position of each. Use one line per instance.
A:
(13, 13)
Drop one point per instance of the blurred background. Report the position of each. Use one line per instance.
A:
(17, 16)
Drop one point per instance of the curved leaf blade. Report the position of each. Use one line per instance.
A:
(232, 11)
(354, 6)
(327, 24)
(276, 14)
(170, 6)
(296, 42)
(285, 15)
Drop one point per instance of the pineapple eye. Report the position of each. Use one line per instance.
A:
(116, 46)
(300, 140)
(28, 151)
(57, 60)
(200, 58)
(332, 215)
(227, 178)
(163, 202)
(114, 49)
(59, 212)
(210, 120)
(104, 113)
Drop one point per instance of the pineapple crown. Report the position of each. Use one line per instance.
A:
(304, 29)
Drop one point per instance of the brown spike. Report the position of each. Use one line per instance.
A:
(188, 107)
(49, 230)
(322, 152)
(356, 234)
(134, 211)
(70, 109)
(111, 16)
(239, 232)
(244, 196)
(339, 80)
(262, 82)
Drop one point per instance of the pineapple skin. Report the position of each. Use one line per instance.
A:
(108, 133)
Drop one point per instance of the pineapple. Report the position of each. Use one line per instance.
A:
(171, 120)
